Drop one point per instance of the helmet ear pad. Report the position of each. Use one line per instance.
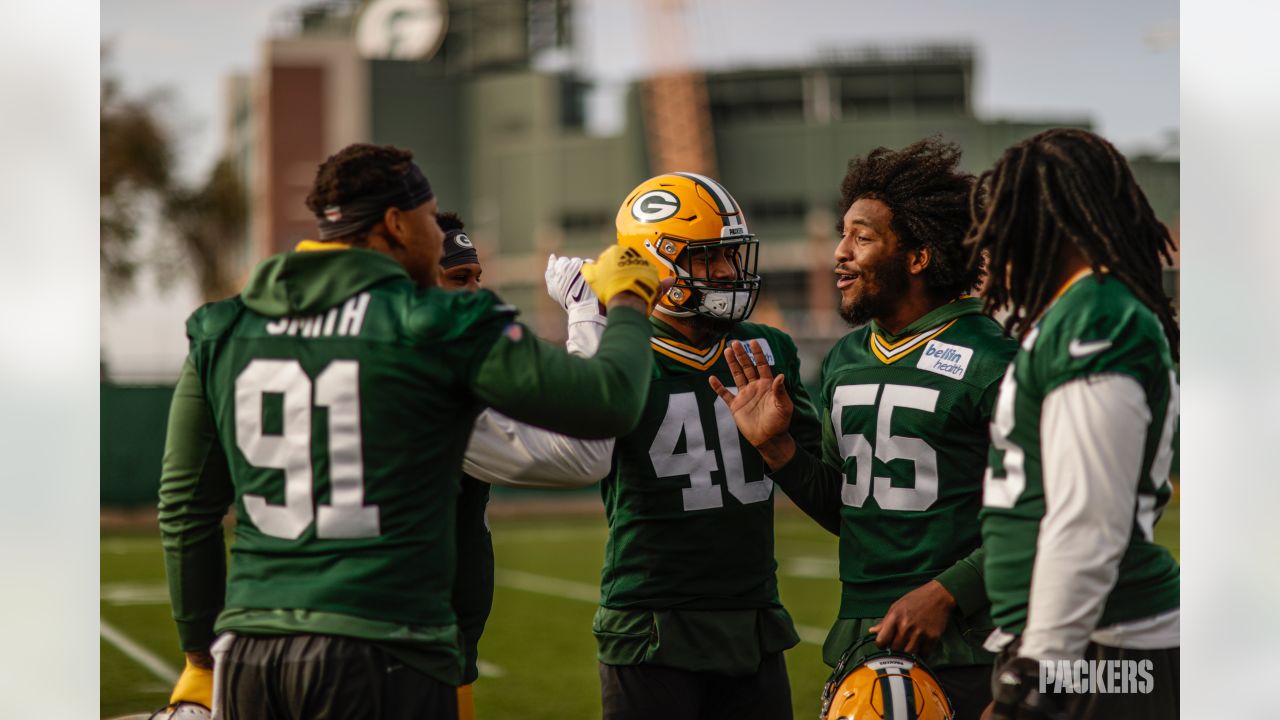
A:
(664, 252)
(684, 299)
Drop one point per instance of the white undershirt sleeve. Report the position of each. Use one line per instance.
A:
(584, 335)
(505, 452)
(1092, 435)
(509, 453)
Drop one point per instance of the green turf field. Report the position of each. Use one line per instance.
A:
(538, 640)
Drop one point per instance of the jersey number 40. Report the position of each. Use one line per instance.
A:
(698, 461)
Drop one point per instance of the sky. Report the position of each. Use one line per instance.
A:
(1116, 63)
(1113, 63)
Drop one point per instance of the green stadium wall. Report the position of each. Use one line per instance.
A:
(134, 418)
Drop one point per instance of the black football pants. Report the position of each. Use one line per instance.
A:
(654, 692)
(323, 677)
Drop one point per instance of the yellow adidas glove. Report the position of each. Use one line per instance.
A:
(621, 269)
(195, 685)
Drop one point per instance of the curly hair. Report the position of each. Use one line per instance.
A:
(929, 197)
(449, 220)
(1067, 186)
(358, 170)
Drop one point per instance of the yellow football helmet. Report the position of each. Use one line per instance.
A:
(884, 686)
(692, 229)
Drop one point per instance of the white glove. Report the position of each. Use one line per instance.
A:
(566, 286)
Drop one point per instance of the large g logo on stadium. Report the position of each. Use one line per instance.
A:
(655, 205)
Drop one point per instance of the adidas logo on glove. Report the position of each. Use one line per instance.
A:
(631, 257)
(621, 269)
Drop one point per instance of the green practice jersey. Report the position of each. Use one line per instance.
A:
(332, 401)
(690, 513)
(1097, 329)
(907, 425)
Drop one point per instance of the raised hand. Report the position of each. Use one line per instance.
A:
(761, 406)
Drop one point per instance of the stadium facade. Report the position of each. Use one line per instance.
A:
(499, 118)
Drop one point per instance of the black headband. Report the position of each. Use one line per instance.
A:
(361, 213)
(458, 250)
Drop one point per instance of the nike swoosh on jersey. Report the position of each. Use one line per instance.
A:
(1079, 349)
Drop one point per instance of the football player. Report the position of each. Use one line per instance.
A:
(502, 451)
(1082, 435)
(305, 401)
(690, 623)
(473, 582)
(907, 397)
(459, 263)
(505, 452)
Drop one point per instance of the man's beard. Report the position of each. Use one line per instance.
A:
(884, 285)
(709, 326)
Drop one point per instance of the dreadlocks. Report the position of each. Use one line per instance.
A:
(930, 200)
(1066, 186)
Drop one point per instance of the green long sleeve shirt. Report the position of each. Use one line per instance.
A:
(330, 403)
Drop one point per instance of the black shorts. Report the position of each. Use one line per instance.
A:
(322, 677)
(1158, 674)
(645, 692)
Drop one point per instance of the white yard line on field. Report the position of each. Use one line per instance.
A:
(810, 567)
(811, 635)
(130, 593)
(572, 590)
(549, 534)
(137, 653)
(163, 671)
(543, 585)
